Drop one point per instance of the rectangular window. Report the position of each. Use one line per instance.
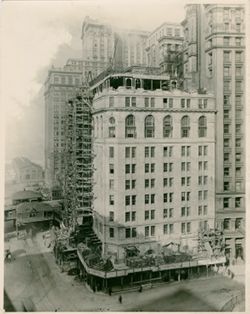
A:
(152, 198)
(133, 168)
(127, 184)
(127, 216)
(133, 184)
(152, 168)
(111, 168)
(146, 151)
(188, 227)
(165, 229)
(165, 197)
(111, 232)
(146, 183)
(152, 151)
(226, 56)
(127, 152)
(205, 193)
(128, 233)
(134, 233)
(133, 199)
(127, 200)
(183, 228)
(165, 213)
(237, 202)
(147, 231)
(146, 102)
(152, 231)
(111, 152)
(152, 214)
(127, 168)
(146, 214)
(111, 184)
(133, 101)
(146, 198)
(238, 56)
(152, 102)
(111, 200)
(133, 216)
(146, 168)
(111, 216)
(127, 101)
(171, 228)
(111, 102)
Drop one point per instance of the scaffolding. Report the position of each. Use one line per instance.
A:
(78, 157)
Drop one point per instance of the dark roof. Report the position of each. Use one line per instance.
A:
(27, 207)
(23, 195)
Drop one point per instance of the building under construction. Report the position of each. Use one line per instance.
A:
(78, 158)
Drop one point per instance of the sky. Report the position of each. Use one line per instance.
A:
(37, 34)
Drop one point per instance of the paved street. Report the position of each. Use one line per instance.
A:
(34, 275)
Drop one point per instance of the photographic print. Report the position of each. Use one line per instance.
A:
(124, 156)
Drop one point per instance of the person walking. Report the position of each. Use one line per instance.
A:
(120, 299)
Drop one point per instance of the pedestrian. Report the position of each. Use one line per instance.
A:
(120, 299)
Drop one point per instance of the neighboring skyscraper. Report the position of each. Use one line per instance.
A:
(104, 47)
(97, 47)
(163, 46)
(225, 69)
(214, 59)
(60, 86)
(154, 162)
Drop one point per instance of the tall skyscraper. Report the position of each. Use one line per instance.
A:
(163, 45)
(104, 47)
(61, 85)
(214, 59)
(154, 151)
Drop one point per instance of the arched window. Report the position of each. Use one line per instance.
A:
(130, 128)
(111, 127)
(185, 126)
(202, 126)
(149, 126)
(167, 126)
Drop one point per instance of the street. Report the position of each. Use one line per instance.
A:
(34, 276)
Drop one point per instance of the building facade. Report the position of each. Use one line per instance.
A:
(164, 44)
(154, 153)
(26, 172)
(105, 47)
(61, 85)
(214, 60)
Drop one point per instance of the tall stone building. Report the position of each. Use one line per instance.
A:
(104, 47)
(163, 46)
(154, 153)
(214, 60)
(61, 85)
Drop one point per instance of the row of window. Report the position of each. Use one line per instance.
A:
(237, 202)
(130, 216)
(227, 56)
(149, 102)
(167, 167)
(149, 127)
(149, 151)
(167, 182)
(150, 231)
(167, 198)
